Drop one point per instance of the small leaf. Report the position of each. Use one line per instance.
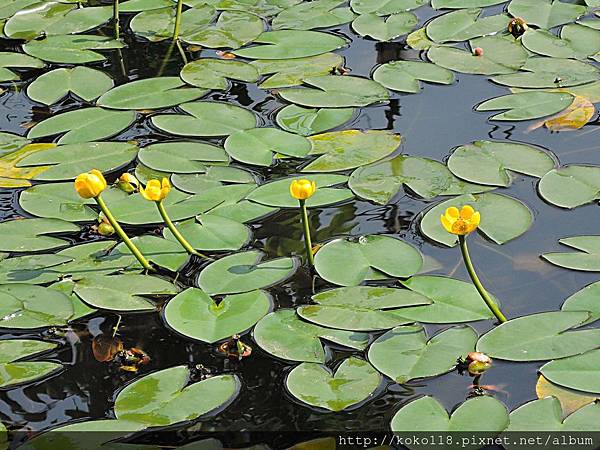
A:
(526, 105)
(571, 186)
(586, 258)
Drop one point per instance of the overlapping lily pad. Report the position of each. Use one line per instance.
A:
(527, 105)
(585, 300)
(581, 372)
(30, 235)
(165, 253)
(13, 59)
(291, 72)
(571, 186)
(546, 13)
(84, 82)
(307, 121)
(181, 157)
(575, 41)
(385, 28)
(213, 176)
(385, 7)
(212, 73)
(14, 372)
(284, 44)
(259, 146)
(464, 24)
(586, 257)
(233, 29)
(457, 4)
(405, 76)
(157, 24)
(71, 49)
(546, 415)
(315, 14)
(31, 269)
(210, 232)
(12, 176)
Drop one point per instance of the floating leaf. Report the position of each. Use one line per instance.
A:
(570, 401)
(13, 372)
(373, 258)
(210, 232)
(348, 149)
(384, 29)
(571, 186)
(285, 44)
(503, 218)
(87, 84)
(308, 121)
(586, 299)
(157, 24)
(71, 49)
(385, 7)
(212, 73)
(456, 4)
(381, 182)
(546, 415)
(465, 24)
(11, 7)
(418, 40)
(577, 115)
(259, 146)
(92, 258)
(166, 398)
(314, 14)
(361, 308)
(545, 13)
(492, 163)
(181, 157)
(354, 381)
(453, 301)
(404, 353)
(233, 29)
(31, 235)
(277, 193)
(540, 337)
(213, 176)
(285, 336)
(581, 372)
(527, 105)
(476, 414)
(10, 143)
(31, 269)
(586, 258)
(575, 41)
(336, 91)
(195, 315)
(162, 252)
(123, 292)
(206, 119)
(243, 272)
(13, 59)
(405, 76)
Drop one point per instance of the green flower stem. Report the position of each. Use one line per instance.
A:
(130, 245)
(185, 244)
(307, 240)
(177, 20)
(116, 18)
(484, 295)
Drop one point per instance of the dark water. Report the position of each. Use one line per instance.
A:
(431, 124)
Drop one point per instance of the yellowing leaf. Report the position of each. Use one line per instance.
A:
(575, 116)
(12, 176)
(570, 400)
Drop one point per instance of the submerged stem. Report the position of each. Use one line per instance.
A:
(307, 240)
(185, 244)
(130, 245)
(484, 294)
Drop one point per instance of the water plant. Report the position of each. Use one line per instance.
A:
(302, 190)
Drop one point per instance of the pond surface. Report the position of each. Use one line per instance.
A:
(432, 123)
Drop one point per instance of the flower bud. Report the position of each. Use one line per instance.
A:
(128, 183)
(477, 367)
(479, 357)
(478, 51)
(106, 229)
(90, 184)
(156, 190)
(302, 189)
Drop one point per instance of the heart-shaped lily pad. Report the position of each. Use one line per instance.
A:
(527, 105)
(575, 41)
(586, 258)
(31, 269)
(13, 371)
(93, 258)
(165, 253)
(585, 300)
(195, 315)
(243, 272)
(571, 186)
(84, 82)
(404, 353)
(465, 24)
(361, 308)
(284, 44)
(385, 28)
(315, 14)
(166, 397)
(546, 415)
(581, 372)
(233, 29)
(354, 381)
(213, 176)
(307, 121)
(540, 337)
(373, 258)
(545, 13)
(212, 73)
(31, 235)
(457, 4)
(405, 76)
(71, 49)
(384, 7)
(284, 335)
(260, 145)
(181, 157)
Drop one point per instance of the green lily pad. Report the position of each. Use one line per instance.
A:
(483, 413)
(16, 60)
(361, 308)
(353, 381)
(233, 29)
(336, 92)
(31, 269)
(492, 163)
(243, 272)
(571, 186)
(373, 257)
(157, 24)
(93, 258)
(453, 301)
(10, 143)
(206, 119)
(457, 4)
(585, 300)
(87, 84)
(500, 55)
(315, 14)
(385, 7)
(151, 93)
(405, 353)
(26, 306)
(259, 146)
(277, 193)
(308, 121)
(162, 252)
(540, 337)
(546, 415)
(284, 44)
(31, 235)
(405, 76)
(10, 7)
(212, 73)
(181, 157)
(71, 49)
(65, 162)
(14, 372)
(465, 24)
(212, 233)
(575, 41)
(348, 149)
(385, 28)
(586, 258)
(581, 372)
(166, 397)
(213, 176)
(381, 182)
(195, 315)
(291, 72)
(503, 218)
(123, 292)
(545, 13)
(284, 335)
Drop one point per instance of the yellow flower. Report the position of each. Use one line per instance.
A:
(156, 190)
(128, 183)
(90, 184)
(302, 189)
(460, 222)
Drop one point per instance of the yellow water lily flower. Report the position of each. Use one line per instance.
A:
(156, 190)
(302, 189)
(90, 184)
(128, 183)
(460, 222)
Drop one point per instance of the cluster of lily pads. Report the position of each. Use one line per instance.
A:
(212, 153)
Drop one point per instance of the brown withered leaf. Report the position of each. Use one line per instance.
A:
(105, 347)
(570, 400)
